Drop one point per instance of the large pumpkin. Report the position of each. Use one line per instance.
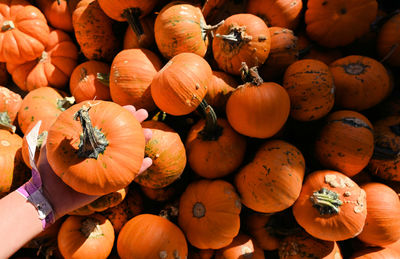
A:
(180, 86)
(331, 206)
(242, 38)
(24, 31)
(53, 68)
(334, 23)
(150, 236)
(96, 147)
(272, 181)
(209, 213)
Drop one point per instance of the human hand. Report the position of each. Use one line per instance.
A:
(63, 198)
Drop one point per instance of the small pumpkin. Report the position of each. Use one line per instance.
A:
(209, 206)
(242, 246)
(279, 13)
(180, 86)
(131, 74)
(345, 142)
(331, 206)
(57, 13)
(86, 237)
(361, 82)
(242, 38)
(388, 42)
(382, 226)
(53, 68)
(340, 22)
(257, 109)
(309, 84)
(219, 90)
(214, 149)
(100, 138)
(10, 103)
(272, 181)
(151, 236)
(146, 40)
(261, 229)
(168, 154)
(22, 25)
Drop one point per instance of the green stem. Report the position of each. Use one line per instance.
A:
(5, 122)
(326, 201)
(103, 78)
(65, 103)
(93, 141)
(132, 16)
(211, 131)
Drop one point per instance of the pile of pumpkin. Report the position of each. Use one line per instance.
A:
(276, 125)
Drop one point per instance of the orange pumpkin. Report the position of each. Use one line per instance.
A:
(389, 40)
(284, 51)
(94, 31)
(387, 147)
(242, 38)
(10, 103)
(331, 206)
(219, 90)
(101, 139)
(43, 104)
(242, 246)
(309, 84)
(375, 253)
(86, 82)
(209, 207)
(151, 236)
(57, 13)
(131, 74)
(361, 82)
(272, 181)
(303, 245)
(168, 153)
(257, 109)
(180, 27)
(340, 22)
(345, 142)
(180, 86)
(214, 149)
(280, 13)
(146, 40)
(53, 68)
(382, 226)
(260, 227)
(86, 237)
(24, 31)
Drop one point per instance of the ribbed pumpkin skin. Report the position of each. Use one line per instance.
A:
(388, 37)
(179, 28)
(208, 207)
(28, 27)
(242, 246)
(254, 51)
(339, 22)
(150, 236)
(382, 226)
(57, 14)
(309, 84)
(345, 142)
(114, 9)
(180, 86)
(168, 153)
(273, 180)
(116, 167)
(86, 237)
(131, 74)
(361, 82)
(331, 226)
(280, 13)
(258, 111)
(84, 84)
(94, 32)
(53, 68)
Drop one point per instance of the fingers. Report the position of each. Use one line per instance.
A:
(141, 115)
(147, 162)
(147, 134)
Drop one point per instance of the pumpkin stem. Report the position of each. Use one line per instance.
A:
(90, 228)
(211, 131)
(103, 78)
(59, 2)
(43, 58)
(390, 53)
(93, 141)
(209, 29)
(199, 210)
(132, 16)
(250, 75)
(7, 25)
(65, 103)
(5, 122)
(236, 36)
(326, 201)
